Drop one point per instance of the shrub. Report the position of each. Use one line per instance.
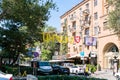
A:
(15, 70)
(92, 68)
(65, 77)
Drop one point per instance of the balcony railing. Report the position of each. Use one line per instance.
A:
(73, 29)
(73, 18)
(86, 12)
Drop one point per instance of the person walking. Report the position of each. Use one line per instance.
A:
(115, 65)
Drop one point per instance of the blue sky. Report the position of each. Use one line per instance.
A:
(63, 5)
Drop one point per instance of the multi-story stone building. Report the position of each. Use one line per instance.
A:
(93, 41)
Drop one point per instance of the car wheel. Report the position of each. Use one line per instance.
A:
(117, 77)
(58, 73)
(76, 72)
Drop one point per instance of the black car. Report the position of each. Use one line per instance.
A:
(57, 69)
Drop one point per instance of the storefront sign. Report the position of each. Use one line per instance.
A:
(93, 54)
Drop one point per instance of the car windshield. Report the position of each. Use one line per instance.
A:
(44, 63)
(74, 67)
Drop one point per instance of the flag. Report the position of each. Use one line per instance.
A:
(77, 39)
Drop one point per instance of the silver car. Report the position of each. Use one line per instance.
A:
(44, 67)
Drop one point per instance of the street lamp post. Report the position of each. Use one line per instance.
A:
(82, 53)
(19, 65)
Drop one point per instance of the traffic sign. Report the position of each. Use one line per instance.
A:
(82, 54)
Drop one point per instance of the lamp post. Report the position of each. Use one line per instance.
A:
(19, 65)
(82, 52)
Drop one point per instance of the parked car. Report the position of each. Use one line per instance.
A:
(43, 67)
(57, 69)
(4, 76)
(74, 69)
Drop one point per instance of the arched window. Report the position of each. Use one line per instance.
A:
(113, 49)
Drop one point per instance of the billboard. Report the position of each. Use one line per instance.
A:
(90, 41)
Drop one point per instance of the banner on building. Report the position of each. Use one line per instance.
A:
(90, 41)
(77, 39)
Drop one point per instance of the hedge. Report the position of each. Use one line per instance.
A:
(65, 77)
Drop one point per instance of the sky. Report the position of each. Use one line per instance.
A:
(63, 6)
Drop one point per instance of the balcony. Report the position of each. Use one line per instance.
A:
(86, 12)
(73, 18)
(63, 24)
(86, 20)
(73, 30)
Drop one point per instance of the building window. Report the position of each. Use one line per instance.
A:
(95, 2)
(74, 34)
(69, 28)
(113, 49)
(95, 16)
(87, 6)
(105, 25)
(80, 47)
(87, 31)
(64, 29)
(96, 30)
(71, 17)
(74, 48)
(107, 10)
(80, 11)
(68, 49)
(74, 25)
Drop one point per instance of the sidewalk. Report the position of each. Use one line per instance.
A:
(106, 74)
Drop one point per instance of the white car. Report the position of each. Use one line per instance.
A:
(4, 76)
(76, 69)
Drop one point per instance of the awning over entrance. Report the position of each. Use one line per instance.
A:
(61, 60)
(77, 56)
(74, 56)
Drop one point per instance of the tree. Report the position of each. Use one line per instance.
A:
(114, 16)
(48, 48)
(21, 23)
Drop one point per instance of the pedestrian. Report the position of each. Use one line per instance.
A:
(84, 67)
(115, 65)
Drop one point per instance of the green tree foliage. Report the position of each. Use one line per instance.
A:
(114, 15)
(48, 48)
(21, 23)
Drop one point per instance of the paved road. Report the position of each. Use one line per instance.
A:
(106, 74)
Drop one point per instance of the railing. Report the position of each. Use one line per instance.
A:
(86, 12)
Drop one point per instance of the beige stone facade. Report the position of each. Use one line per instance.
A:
(89, 20)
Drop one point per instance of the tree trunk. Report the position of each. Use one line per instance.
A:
(15, 59)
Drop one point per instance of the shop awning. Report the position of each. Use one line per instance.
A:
(61, 60)
(77, 56)
(74, 56)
